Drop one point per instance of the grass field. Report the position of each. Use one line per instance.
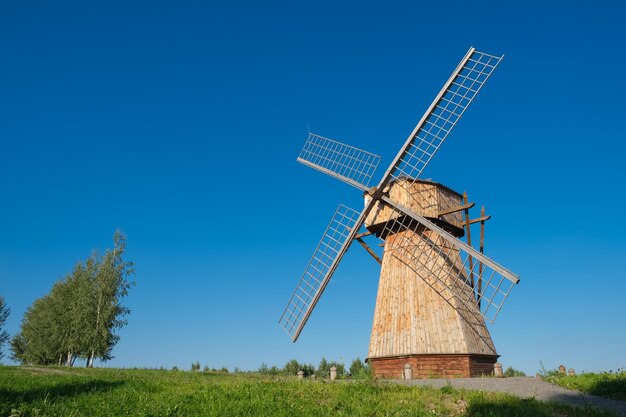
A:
(67, 392)
(606, 384)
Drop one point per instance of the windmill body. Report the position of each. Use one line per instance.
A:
(418, 320)
(436, 290)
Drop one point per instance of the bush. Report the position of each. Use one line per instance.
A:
(291, 368)
(511, 372)
(364, 373)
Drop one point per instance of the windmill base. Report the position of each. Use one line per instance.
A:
(434, 366)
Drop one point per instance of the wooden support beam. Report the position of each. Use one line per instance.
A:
(360, 235)
(465, 206)
(469, 239)
(369, 250)
(482, 250)
(480, 219)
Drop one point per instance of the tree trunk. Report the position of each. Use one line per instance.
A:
(98, 310)
(68, 361)
(60, 359)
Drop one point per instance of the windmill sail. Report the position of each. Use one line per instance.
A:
(330, 249)
(483, 289)
(454, 269)
(442, 115)
(344, 162)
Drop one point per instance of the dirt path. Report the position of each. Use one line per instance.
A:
(526, 387)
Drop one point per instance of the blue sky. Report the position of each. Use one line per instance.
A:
(179, 123)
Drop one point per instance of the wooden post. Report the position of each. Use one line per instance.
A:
(408, 371)
(333, 373)
(300, 374)
(497, 370)
(469, 239)
(482, 250)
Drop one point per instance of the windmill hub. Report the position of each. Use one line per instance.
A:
(435, 290)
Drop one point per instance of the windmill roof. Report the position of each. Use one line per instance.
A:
(429, 181)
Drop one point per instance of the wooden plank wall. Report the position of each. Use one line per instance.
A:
(415, 313)
(434, 366)
(424, 197)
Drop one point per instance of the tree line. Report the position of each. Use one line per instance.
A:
(357, 369)
(79, 317)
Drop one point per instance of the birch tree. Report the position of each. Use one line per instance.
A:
(4, 314)
(110, 285)
(80, 315)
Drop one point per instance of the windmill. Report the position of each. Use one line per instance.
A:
(435, 291)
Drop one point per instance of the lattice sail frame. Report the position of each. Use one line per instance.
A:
(422, 144)
(313, 282)
(344, 162)
(442, 115)
(481, 285)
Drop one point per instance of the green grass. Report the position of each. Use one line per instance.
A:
(117, 392)
(606, 384)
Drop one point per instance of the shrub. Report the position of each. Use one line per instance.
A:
(292, 367)
(511, 372)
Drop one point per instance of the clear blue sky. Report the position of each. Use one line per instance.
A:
(179, 123)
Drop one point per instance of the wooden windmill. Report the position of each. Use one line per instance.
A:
(435, 290)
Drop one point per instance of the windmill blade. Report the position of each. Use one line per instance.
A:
(443, 261)
(331, 248)
(344, 162)
(442, 115)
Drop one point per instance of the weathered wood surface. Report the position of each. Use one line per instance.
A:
(418, 311)
(430, 366)
(415, 313)
(424, 197)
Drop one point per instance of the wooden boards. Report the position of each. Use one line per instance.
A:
(418, 317)
(434, 366)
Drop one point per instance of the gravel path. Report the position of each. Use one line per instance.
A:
(526, 387)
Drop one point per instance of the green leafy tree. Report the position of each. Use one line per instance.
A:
(80, 315)
(274, 370)
(195, 366)
(292, 367)
(18, 348)
(110, 285)
(4, 314)
(323, 369)
(512, 372)
(38, 341)
(264, 369)
(356, 367)
(308, 369)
